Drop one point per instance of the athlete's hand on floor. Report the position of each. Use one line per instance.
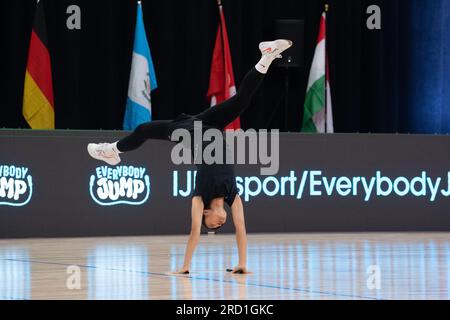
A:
(239, 270)
(179, 272)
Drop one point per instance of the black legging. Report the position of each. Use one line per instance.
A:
(219, 116)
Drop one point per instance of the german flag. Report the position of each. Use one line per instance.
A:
(38, 102)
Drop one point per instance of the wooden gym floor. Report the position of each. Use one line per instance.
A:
(286, 266)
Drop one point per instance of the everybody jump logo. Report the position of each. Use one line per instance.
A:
(16, 186)
(124, 185)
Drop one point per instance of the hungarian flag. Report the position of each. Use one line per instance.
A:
(38, 103)
(222, 85)
(318, 115)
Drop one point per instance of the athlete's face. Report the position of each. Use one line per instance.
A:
(216, 216)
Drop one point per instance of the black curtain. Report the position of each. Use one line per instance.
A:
(91, 66)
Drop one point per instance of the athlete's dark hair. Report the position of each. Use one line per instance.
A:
(207, 228)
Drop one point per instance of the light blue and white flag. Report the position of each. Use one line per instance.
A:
(142, 79)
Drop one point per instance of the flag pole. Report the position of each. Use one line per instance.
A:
(326, 68)
(220, 6)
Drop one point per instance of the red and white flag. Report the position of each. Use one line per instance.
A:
(222, 85)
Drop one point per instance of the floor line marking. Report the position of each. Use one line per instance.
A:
(318, 292)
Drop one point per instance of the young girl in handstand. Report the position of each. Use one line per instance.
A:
(215, 183)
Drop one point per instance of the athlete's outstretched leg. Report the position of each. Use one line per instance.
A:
(225, 113)
(158, 130)
(220, 115)
(109, 152)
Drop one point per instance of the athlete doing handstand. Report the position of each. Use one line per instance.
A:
(215, 183)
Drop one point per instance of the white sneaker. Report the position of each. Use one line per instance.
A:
(104, 152)
(274, 49)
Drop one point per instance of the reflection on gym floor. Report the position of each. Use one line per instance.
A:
(116, 272)
(15, 274)
(372, 266)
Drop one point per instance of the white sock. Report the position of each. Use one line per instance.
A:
(264, 64)
(114, 148)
